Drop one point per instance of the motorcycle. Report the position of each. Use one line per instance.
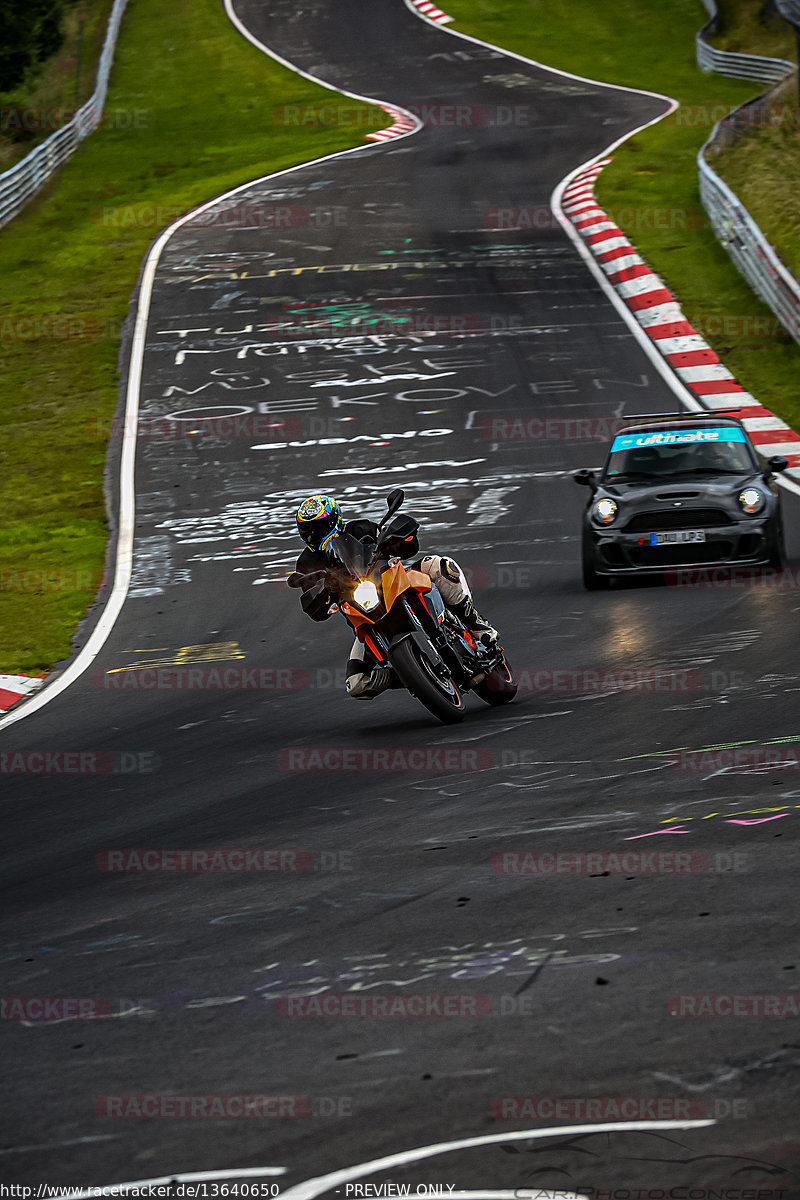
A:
(399, 615)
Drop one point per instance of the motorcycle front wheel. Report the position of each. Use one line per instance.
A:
(440, 697)
(498, 687)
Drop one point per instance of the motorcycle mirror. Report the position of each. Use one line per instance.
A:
(585, 478)
(295, 580)
(393, 501)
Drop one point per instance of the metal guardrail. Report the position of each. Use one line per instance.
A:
(732, 223)
(25, 178)
(748, 247)
(740, 66)
(727, 62)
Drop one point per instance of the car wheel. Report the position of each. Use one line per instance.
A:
(591, 580)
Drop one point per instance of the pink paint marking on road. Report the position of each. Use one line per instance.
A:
(655, 833)
(757, 821)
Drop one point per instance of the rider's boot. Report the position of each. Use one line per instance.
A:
(361, 684)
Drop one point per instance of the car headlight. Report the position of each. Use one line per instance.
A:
(752, 500)
(604, 511)
(366, 595)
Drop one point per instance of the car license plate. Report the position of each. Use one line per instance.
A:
(678, 535)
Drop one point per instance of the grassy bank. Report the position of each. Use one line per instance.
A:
(747, 28)
(763, 168)
(197, 102)
(642, 45)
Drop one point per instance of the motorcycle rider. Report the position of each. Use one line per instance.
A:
(319, 520)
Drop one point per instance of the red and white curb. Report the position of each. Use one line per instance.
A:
(662, 320)
(15, 687)
(431, 12)
(403, 123)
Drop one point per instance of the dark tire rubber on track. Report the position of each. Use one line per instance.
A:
(420, 681)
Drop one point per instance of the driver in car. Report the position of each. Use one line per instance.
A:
(319, 520)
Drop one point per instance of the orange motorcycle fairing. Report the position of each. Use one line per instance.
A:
(355, 617)
(396, 580)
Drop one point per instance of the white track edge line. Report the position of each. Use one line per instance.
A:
(311, 1188)
(323, 1183)
(127, 496)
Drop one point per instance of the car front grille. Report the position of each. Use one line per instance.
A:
(673, 556)
(677, 518)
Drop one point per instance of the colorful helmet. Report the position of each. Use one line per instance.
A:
(318, 519)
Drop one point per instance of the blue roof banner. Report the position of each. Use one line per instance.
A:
(676, 437)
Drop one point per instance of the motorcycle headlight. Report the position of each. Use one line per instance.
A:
(751, 500)
(366, 595)
(604, 511)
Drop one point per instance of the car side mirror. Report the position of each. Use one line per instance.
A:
(586, 479)
(777, 463)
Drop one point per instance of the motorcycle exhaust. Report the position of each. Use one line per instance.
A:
(479, 678)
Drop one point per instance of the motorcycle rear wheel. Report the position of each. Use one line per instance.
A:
(442, 699)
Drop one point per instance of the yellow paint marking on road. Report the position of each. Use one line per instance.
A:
(207, 652)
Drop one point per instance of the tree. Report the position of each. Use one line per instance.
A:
(32, 31)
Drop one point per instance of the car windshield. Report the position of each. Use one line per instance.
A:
(660, 454)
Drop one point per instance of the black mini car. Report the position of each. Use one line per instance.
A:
(680, 490)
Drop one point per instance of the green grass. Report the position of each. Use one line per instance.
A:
(199, 98)
(763, 168)
(644, 45)
(746, 28)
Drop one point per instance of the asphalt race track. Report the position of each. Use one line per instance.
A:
(379, 332)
